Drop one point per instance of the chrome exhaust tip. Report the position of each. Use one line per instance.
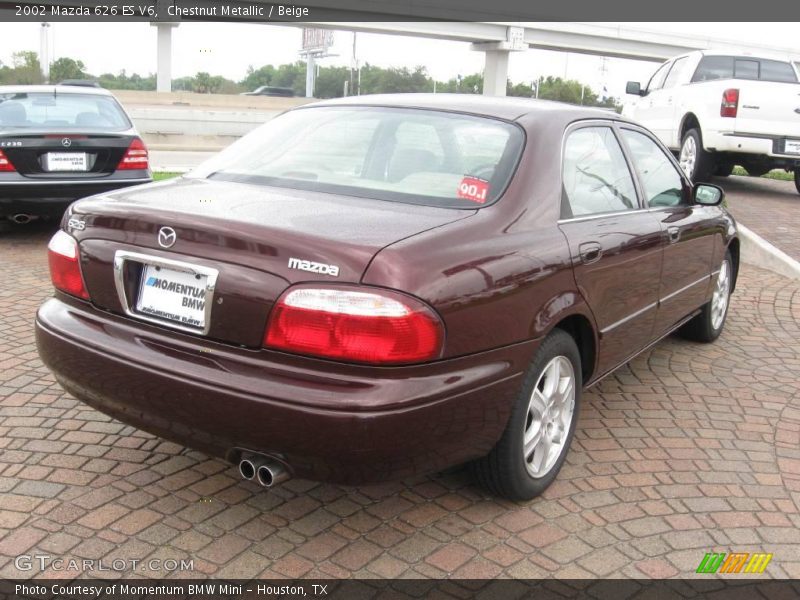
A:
(272, 473)
(248, 468)
(22, 218)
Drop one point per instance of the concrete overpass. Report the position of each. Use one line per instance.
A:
(498, 40)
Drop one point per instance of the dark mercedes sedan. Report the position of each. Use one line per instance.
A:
(378, 287)
(59, 143)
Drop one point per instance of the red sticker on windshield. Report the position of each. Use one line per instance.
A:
(474, 189)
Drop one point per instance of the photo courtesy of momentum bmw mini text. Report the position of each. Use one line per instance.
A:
(385, 299)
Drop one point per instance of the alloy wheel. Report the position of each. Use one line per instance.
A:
(550, 413)
(719, 300)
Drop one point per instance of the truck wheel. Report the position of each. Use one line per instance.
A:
(535, 443)
(694, 160)
(797, 179)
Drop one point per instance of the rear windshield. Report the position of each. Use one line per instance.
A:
(730, 67)
(42, 110)
(407, 155)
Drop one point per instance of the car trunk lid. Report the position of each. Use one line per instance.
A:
(249, 234)
(45, 154)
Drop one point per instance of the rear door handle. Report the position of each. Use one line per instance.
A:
(674, 234)
(590, 252)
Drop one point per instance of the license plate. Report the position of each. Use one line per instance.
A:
(66, 161)
(792, 147)
(173, 295)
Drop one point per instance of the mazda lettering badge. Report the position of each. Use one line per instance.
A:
(167, 237)
(66, 142)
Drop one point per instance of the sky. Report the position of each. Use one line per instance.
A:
(229, 48)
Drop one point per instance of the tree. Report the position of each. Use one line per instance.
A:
(257, 77)
(471, 84)
(67, 68)
(123, 82)
(330, 82)
(27, 69)
(377, 80)
(292, 76)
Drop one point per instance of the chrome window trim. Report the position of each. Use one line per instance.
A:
(611, 214)
(122, 256)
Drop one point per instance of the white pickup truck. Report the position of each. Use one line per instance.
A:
(716, 110)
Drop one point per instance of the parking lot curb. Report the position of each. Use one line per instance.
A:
(757, 251)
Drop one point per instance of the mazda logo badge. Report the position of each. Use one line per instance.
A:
(167, 237)
(66, 142)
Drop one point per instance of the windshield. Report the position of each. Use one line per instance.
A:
(42, 110)
(408, 155)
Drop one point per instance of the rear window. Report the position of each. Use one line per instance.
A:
(42, 110)
(407, 155)
(729, 67)
(775, 70)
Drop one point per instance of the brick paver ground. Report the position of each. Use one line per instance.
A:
(769, 207)
(692, 448)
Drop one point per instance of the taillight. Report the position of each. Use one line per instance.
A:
(355, 325)
(730, 103)
(5, 164)
(65, 270)
(135, 156)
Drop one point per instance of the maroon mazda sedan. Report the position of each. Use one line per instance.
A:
(377, 287)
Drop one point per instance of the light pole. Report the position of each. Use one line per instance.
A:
(44, 52)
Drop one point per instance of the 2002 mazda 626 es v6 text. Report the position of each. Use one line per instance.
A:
(376, 287)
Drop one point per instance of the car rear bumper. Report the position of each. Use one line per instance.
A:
(51, 197)
(743, 143)
(327, 421)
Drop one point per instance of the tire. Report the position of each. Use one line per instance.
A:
(724, 169)
(797, 179)
(707, 326)
(506, 470)
(694, 160)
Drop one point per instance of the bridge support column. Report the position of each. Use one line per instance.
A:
(495, 69)
(495, 72)
(164, 54)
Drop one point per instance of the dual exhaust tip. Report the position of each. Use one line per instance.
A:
(267, 471)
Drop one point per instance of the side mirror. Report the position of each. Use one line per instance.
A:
(634, 87)
(708, 195)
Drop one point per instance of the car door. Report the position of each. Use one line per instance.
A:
(615, 244)
(687, 228)
(651, 109)
(667, 104)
